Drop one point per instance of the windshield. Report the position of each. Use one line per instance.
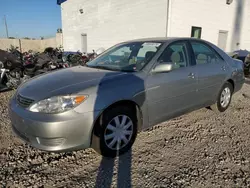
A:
(126, 57)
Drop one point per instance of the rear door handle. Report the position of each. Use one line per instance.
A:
(191, 75)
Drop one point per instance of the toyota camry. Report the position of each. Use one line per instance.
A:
(130, 87)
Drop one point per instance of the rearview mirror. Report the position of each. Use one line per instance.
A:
(165, 67)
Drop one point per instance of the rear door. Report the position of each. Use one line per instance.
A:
(211, 71)
(171, 93)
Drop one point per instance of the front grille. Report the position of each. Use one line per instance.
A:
(18, 133)
(24, 102)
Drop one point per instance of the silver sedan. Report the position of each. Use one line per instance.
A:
(128, 88)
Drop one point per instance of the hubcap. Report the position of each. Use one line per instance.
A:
(225, 97)
(118, 133)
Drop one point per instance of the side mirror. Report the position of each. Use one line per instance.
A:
(165, 67)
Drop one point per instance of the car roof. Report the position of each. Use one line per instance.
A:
(163, 39)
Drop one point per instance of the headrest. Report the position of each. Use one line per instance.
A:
(175, 57)
(201, 59)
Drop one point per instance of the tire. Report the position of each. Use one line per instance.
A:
(106, 126)
(218, 106)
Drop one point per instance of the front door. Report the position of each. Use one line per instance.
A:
(172, 92)
(211, 71)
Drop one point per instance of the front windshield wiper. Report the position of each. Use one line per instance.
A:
(104, 68)
(110, 68)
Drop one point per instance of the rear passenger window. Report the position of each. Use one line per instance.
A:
(175, 54)
(204, 54)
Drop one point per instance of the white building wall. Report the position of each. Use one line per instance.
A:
(245, 35)
(111, 21)
(212, 16)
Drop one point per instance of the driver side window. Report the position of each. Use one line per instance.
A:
(176, 54)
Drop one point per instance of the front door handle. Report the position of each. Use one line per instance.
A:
(223, 68)
(191, 75)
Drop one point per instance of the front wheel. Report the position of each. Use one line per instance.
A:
(224, 98)
(117, 130)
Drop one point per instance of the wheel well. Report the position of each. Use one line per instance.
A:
(231, 82)
(135, 107)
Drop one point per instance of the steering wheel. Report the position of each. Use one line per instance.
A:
(106, 62)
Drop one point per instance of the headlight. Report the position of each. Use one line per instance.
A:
(57, 104)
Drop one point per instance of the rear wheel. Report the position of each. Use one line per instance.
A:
(117, 130)
(224, 98)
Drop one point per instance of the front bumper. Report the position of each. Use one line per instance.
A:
(63, 132)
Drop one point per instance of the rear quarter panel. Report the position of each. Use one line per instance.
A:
(235, 69)
(238, 74)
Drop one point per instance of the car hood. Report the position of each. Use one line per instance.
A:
(64, 81)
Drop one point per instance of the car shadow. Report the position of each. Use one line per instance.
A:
(112, 88)
(106, 171)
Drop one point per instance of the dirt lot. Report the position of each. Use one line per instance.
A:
(201, 149)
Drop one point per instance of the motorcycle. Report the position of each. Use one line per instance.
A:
(14, 72)
(16, 68)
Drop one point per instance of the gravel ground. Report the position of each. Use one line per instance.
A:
(200, 149)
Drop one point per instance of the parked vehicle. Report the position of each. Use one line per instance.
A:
(244, 56)
(128, 88)
(247, 65)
